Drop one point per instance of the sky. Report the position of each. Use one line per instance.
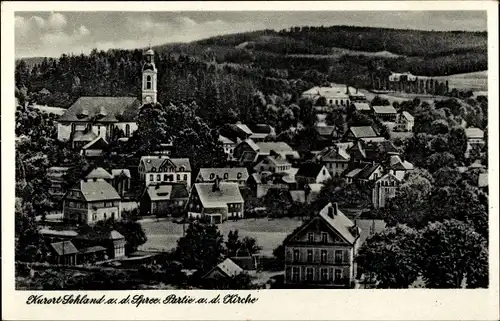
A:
(49, 34)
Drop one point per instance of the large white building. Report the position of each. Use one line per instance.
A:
(158, 169)
(334, 95)
(92, 117)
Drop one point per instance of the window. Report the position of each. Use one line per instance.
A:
(226, 175)
(239, 175)
(323, 256)
(158, 177)
(324, 274)
(324, 171)
(105, 215)
(127, 130)
(185, 177)
(181, 169)
(336, 101)
(310, 237)
(324, 237)
(98, 130)
(165, 177)
(338, 256)
(309, 255)
(338, 274)
(295, 274)
(212, 175)
(112, 216)
(331, 101)
(149, 83)
(153, 169)
(151, 177)
(178, 177)
(295, 255)
(309, 274)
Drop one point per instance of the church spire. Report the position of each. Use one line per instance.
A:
(149, 78)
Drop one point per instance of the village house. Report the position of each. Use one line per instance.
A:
(228, 146)
(237, 175)
(362, 107)
(475, 139)
(335, 159)
(63, 253)
(225, 270)
(113, 242)
(321, 252)
(215, 202)
(311, 173)
(55, 176)
(273, 164)
(372, 151)
(248, 152)
(334, 95)
(94, 148)
(162, 198)
(99, 173)
(406, 121)
(355, 133)
(91, 200)
(384, 189)
(260, 183)
(92, 117)
(327, 134)
(400, 167)
(364, 173)
(355, 95)
(155, 169)
(385, 113)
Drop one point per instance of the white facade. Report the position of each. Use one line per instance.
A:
(149, 79)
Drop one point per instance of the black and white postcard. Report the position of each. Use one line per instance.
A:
(301, 160)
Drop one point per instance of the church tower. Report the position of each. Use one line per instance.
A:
(149, 77)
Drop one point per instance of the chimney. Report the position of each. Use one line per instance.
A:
(335, 209)
(330, 212)
(356, 90)
(157, 186)
(216, 186)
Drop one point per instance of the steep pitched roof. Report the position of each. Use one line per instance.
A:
(110, 109)
(97, 143)
(408, 116)
(158, 161)
(121, 171)
(233, 173)
(244, 128)
(332, 154)
(225, 140)
(363, 131)
(353, 173)
(227, 267)
(368, 171)
(64, 248)
(341, 223)
(99, 190)
(227, 193)
(398, 164)
(309, 170)
(99, 173)
(384, 110)
(163, 192)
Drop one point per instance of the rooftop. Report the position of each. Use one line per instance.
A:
(362, 106)
(363, 131)
(64, 248)
(99, 173)
(210, 197)
(309, 170)
(384, 110)
(473, 132)
(167, 192)
(104, 109)
(232, 173)
(99, 190)
(153, 163)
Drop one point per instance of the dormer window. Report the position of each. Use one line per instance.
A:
(226, 175)
(239, 175)
(153, 169)
(181, 169)
(212, 175)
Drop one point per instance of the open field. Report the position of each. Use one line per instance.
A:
(339, 52)
(163, 235)
(470, 81)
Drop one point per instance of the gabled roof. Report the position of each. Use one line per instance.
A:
(227, 193)
(164, 192)
(368, 171)
(353, 173)
(244, 128)
(233, 173)
(84, 136)
(92, 249)
(329, 154)
(325, 130)
(278, 147)
(110, 109)
(398, 164)
(473, 132)
(99, 190)
(64, 248)
(97, 143)
(389, 177)
(158, 161)
(121, 171)
(408, 116)
(225, 140)
(340, 223)
(275, 161)
(363, 131)
(362, 106)
(227, 267)
(384, 110)
(309, 170)
(99, 173)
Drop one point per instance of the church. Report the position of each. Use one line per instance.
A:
(93, 119)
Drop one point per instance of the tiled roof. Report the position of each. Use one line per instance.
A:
(473, 132)
(99, 173)
(278, 147)
(361, 106)
(341, 223)
(309, 170)
(233, 173)
(252, 144)
(363, 131)
(159, 161)
(111, 109)
(354, 173)
(367, 171)
(97, 191)
(121, 171)
(102, 142)
(229, 268)
(384, 110)
(167, 192)
(398, 164)
(332, 154)
(227, 193)
(93, 249)
(244, 128)
(64, 248)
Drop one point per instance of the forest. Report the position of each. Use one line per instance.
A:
(231, 69)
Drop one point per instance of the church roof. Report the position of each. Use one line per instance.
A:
(102, 109)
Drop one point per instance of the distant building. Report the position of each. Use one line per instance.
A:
(94, 148)
(91, 200)
(364, 173)
(237, 175)
(321, 252)
(261, 183)
(248, 152)
(475, 139)
(99, 173)
(400, 167)
(56, 177)
(385, 113)
(225, 270)
(362, 107)
(371, 151)
(157, 169)
(216, 202)
(355, 95)
(335, 159)
(406, 121)
(228, 146)
(384, 189)
(161, 198)
(121, 180)
(311, 173)
(273, 164)
(64, 253)
(333, 95)
(240, 132)
(357, 132)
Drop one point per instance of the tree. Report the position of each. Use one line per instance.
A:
(201, 247)
(458, 143)
(233, 244)
(454, 254)
(30, 245)
(393, 255)
(378, 101)
(277, 201)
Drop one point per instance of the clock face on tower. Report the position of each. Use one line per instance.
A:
(148, 100)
